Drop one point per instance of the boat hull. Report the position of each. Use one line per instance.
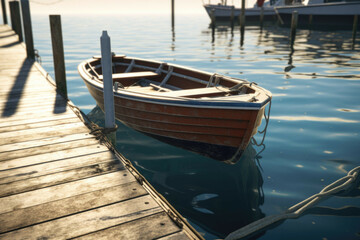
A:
(223, 13)
(222, 134)
(321, 16)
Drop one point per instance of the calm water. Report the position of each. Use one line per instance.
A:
(312, 138)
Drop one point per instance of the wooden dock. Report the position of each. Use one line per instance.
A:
(56, 179)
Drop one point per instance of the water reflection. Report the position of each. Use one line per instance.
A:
(202, 198)
(196, 195)
(325, 49)
(172, 39)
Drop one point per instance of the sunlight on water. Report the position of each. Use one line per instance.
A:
(312, 138)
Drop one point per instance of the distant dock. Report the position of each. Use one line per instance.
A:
(56, 179)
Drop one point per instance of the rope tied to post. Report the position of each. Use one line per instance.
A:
(100, 131)
(345, 183)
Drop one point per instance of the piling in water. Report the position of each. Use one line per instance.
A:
(25, 8)
(232, 18)
(355, 26)
(310, 20)
(106, 63)
(242, 36)
(16, 18)
(261, 17)
(294, 21)
(213, 24)
(242, 15)
(58, 54)
(213, 19)
(172, 14)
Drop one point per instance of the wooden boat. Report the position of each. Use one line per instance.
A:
(207, 113)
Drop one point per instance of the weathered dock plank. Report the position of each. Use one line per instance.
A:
(34, 183)
(41, 113)
(58, 181)
(19, 153)
(69, 206)
(44, 142)
(54, 193)
(53, 156)
(151, 227)
(28, 134)
(18, 127)
(89, 221)
(27, 172)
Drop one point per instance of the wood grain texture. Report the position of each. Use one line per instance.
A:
(68, 206)
(8, 155)
(58, 178)
(52, 156)
(43, 142)
(39, 133)
(176, 236)
(89, 221)
(44, 195)
(16, 174)
(150, 227)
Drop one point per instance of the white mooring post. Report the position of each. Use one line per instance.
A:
(106, 64)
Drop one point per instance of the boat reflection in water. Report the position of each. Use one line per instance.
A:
(198, 187)
(201, 194)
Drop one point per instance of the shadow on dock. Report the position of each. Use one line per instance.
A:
(16, 92)
(60, 105)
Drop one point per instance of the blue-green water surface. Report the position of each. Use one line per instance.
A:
(312, 138)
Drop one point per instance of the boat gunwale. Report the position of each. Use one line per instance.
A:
(175, 101)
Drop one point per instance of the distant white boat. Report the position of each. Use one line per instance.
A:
(321, 13)
(223, 12)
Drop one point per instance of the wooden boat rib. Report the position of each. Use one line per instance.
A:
(207, 113)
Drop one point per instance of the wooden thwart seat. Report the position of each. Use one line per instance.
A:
(195, 92)
(132, 75)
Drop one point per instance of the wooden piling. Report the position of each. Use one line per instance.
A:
(106, 63)
(3, 6)
(58, 54)
(242, 14)
(172, 14)
(294, 21)
(16, 19)
(213, 19)
(242, 36)
(232, 18)
(355, 26)
(261, 17)
(25, 8)
(212, 24)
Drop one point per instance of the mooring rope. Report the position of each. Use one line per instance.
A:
(344, 183)
(267, 118)
(97, 129)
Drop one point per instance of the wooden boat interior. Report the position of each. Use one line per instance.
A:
(167, 80)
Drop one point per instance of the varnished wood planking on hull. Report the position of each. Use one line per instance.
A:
(219, 133)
